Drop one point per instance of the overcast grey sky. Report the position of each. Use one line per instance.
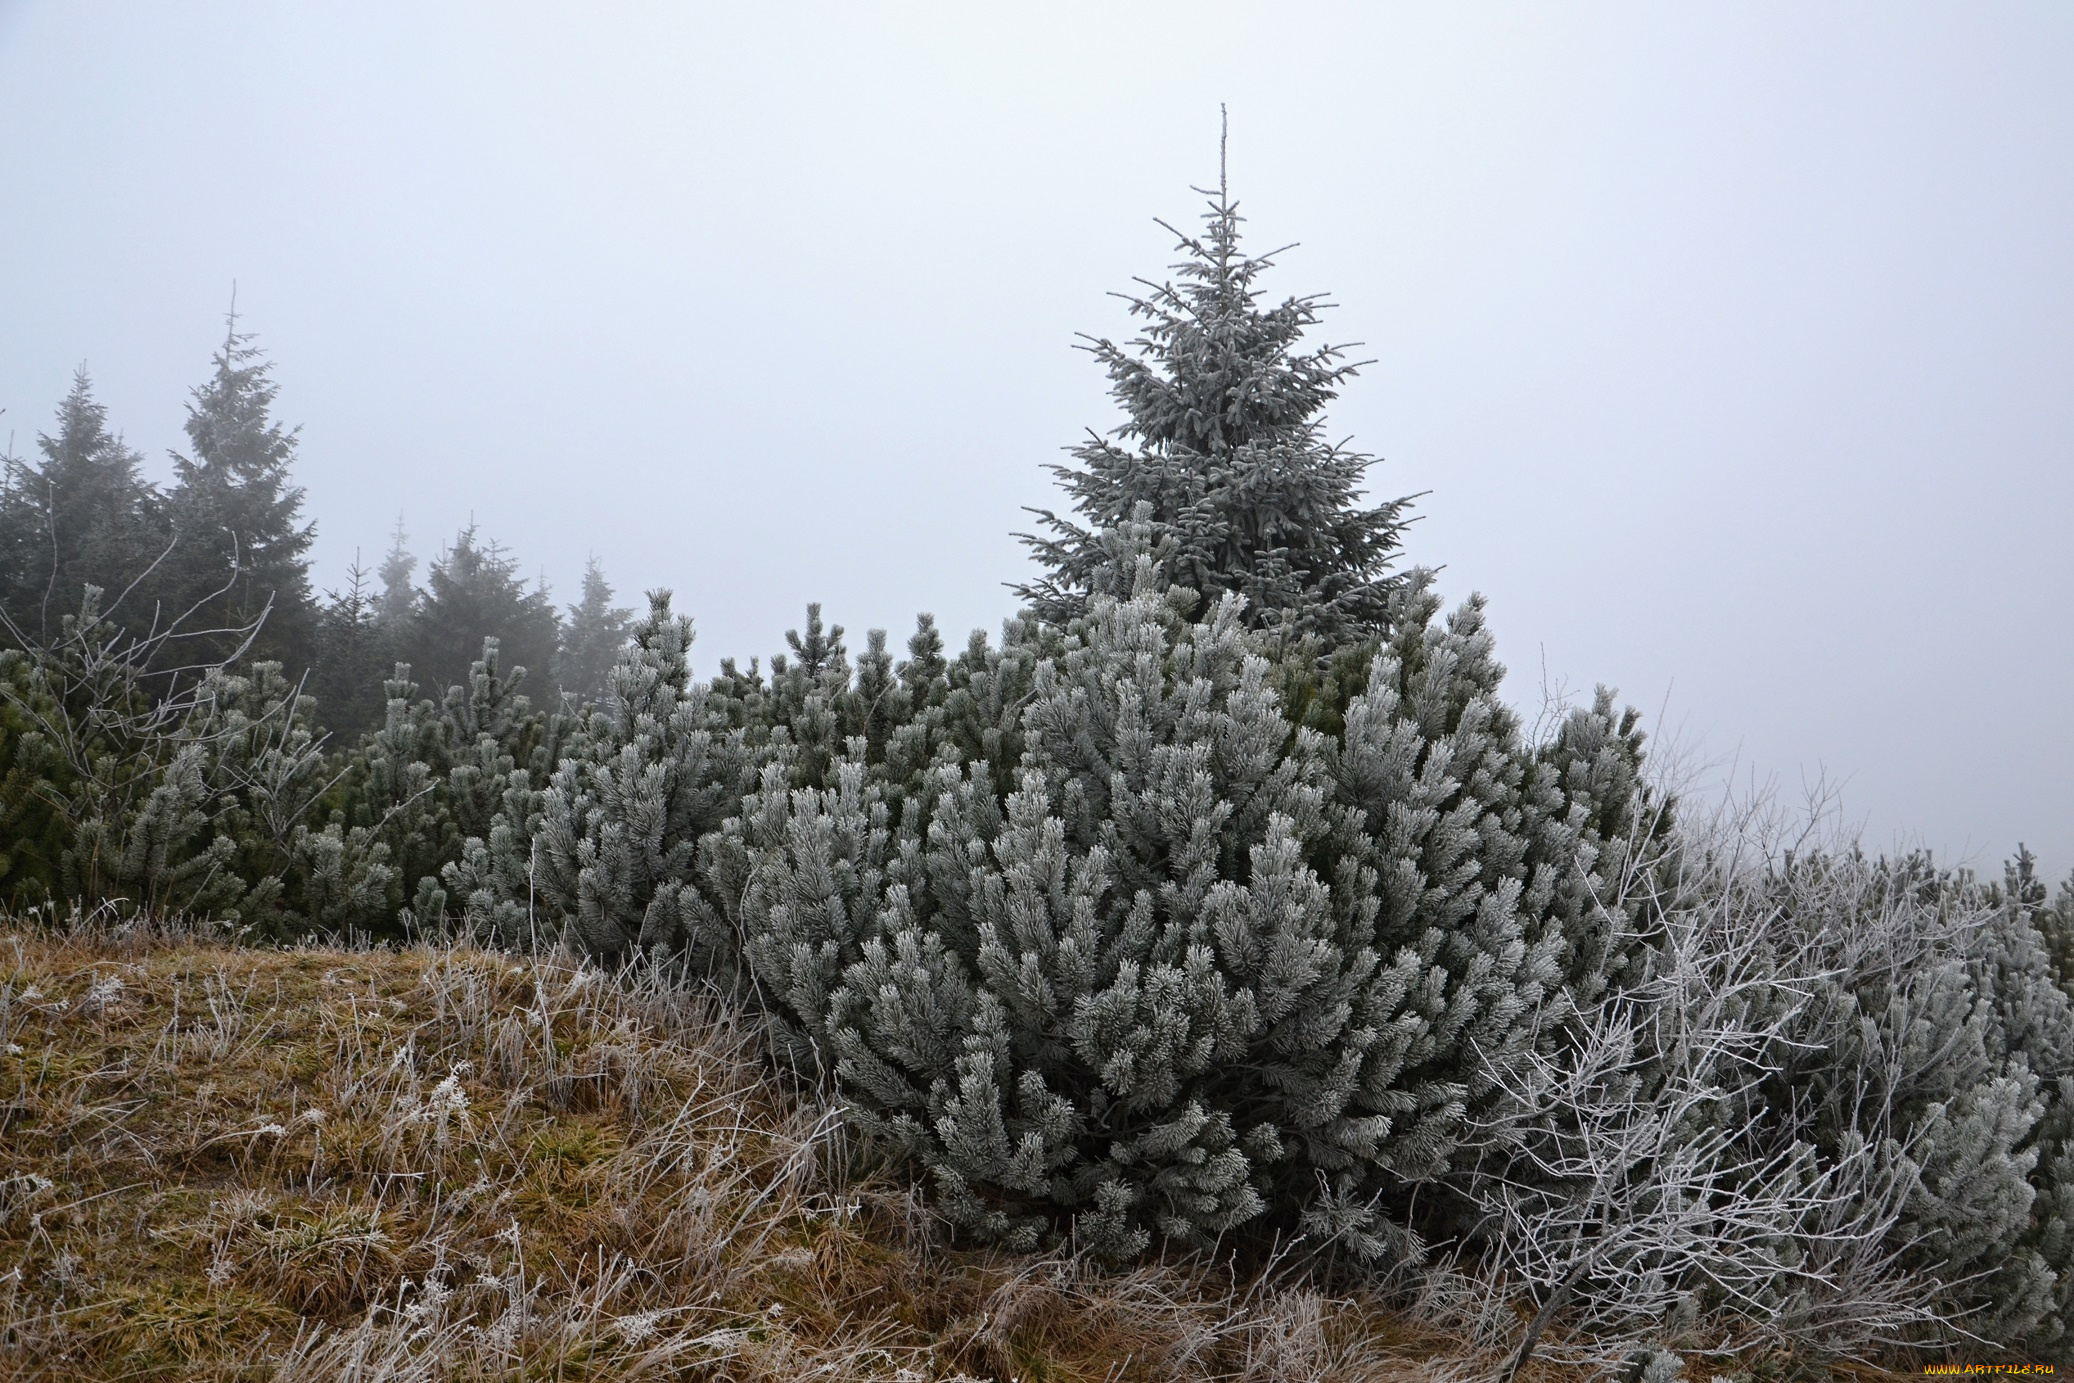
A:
(1733, 342)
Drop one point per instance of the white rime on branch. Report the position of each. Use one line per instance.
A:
(1795, 1129)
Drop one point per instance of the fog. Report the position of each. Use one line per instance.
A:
(1732, 344)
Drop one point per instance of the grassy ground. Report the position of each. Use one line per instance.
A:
(321, 1164)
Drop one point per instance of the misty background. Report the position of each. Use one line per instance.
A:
(1733, 343)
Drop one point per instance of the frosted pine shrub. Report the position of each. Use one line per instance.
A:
(1186, 965)
(159, 794)
(607, 853)
(603, 855)
(437, 774)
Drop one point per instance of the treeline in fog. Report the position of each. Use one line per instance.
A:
(218, 562)
(1221, 903)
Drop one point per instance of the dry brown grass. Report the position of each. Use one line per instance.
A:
(218, 1163)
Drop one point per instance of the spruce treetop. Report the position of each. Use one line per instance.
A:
(242, 455)
(83, 517)
(398, 597)
(473, 591)
(243, 549)
(592, 636)
(1222, 451)
(84, 456)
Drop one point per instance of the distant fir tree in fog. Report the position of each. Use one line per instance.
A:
(236, 514)
(1223, 440)
(84, 516)
(399, 598)
(473, 591)
(592, 637)
(355, 654)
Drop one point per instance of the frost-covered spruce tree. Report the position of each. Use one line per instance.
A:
(83, 516)
(352, 659)
(1169, 978)
(475, 590)
(242, 555)
(1223, 438)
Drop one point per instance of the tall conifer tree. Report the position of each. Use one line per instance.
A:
(85, 516)
(472, 592)
(243, 548)
(1223, 443)
(592, 637)
(354, 658)
(399, 597)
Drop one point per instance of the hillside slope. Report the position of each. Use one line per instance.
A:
(443, 1163)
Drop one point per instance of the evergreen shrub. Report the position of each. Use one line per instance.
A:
(1183, 964)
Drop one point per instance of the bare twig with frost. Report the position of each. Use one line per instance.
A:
(1633, 1176)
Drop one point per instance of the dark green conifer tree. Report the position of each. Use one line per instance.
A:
(83, 517)
(242, 549)
(592, 637)
(399, 597)
(1224, 441)
(353, 658)
(473, 592)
